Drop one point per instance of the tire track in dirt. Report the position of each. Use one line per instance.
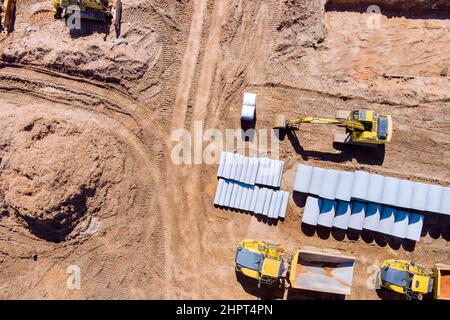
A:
(259, 45)
(248, 62)
(211, 56)
(145, 223)
(189, 64)
(70, 83)
(210, 60)
(50, 86)
(125, 225)
(183, 230)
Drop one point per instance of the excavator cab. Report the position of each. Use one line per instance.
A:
(262, 261)
(377, 128)
(406, 278)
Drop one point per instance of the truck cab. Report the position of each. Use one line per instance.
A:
(377, 127)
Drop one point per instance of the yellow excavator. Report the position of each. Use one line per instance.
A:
(362, 127)
(7, 15)
(94, 10)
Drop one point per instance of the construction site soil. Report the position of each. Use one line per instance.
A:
(86, 173)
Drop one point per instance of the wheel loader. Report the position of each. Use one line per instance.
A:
(320, 271)
(261, 261)
(7, 15)
(362, 127)
(94, 10)
(413, 280)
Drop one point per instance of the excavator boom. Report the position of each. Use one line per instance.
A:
(282, 123)
(312, 120)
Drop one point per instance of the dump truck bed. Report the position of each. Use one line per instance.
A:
(319, 271)
(442, 282)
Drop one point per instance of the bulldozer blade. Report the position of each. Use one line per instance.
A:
(280, 121)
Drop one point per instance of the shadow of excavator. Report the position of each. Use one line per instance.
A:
(363, 155)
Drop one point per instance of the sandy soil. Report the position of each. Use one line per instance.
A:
(86, 175)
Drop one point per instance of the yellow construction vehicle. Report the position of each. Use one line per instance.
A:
(413, 280)
(95, 10)
(307, 270)
(7, 15)
(261, 261)
(362, 127)
(405, 277)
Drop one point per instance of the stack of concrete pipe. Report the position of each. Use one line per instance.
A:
(248, 184)
(360, 185)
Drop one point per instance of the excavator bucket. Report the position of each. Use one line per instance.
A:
(280, 121)
(7, 14)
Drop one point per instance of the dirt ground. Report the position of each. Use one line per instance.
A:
(86, 174)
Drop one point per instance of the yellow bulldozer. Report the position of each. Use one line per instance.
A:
(103, 11)
(362, 127)
(413, 280)
(7, 15)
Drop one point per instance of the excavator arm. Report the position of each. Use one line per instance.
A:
(298, 121)
(282, 123)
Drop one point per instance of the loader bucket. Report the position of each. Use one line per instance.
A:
(280, 121)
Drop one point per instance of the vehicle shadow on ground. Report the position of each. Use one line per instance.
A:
(276, 292)
(385, 294)
(88, 28)
(300, 294)
(363, 155)
(392, 11)
(248, 130)
(265, 292)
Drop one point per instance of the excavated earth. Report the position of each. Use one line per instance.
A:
(87, 174)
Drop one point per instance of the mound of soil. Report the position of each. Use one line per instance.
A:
(54, 173)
